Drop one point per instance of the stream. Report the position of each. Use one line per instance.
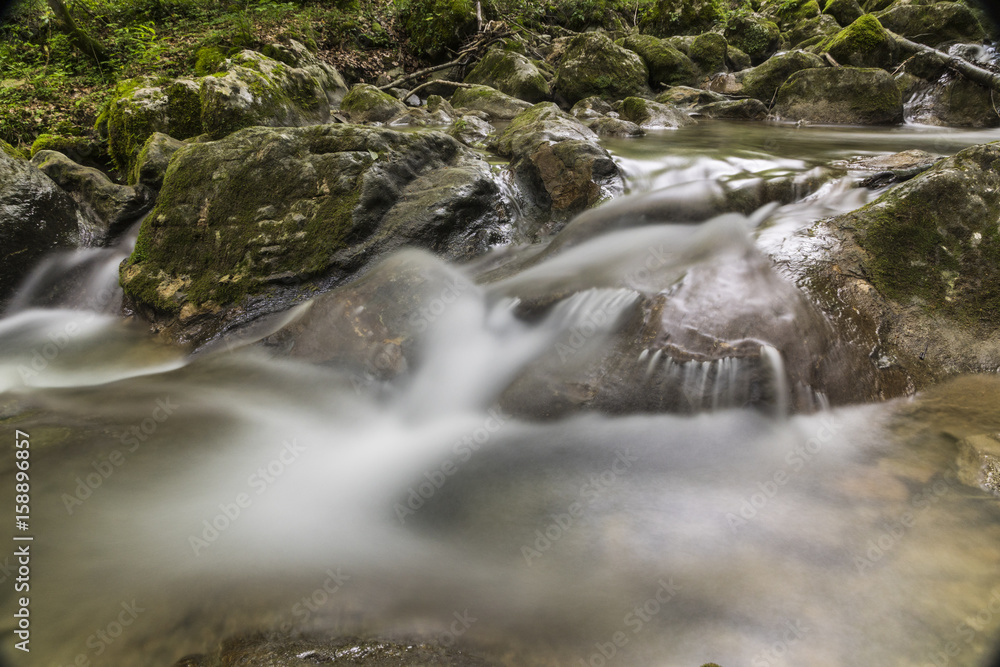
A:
(178, 499)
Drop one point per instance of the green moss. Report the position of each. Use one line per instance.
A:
(752, 34)
(13, 152)
(209, 60)
(864, 43)
(682, 17)
(595, 66)
(708, 52)
(68, 146)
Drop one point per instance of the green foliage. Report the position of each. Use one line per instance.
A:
(437, 27)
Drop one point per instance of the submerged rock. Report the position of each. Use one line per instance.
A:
(511, 73)
(894, 168)
(844, 95)
(558, 160)
(594, 65)
(36, 217)
(246, 224)
(114, 206)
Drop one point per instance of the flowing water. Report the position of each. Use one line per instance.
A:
(179, 499)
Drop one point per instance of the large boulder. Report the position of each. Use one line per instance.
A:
(952, 101)
(36, 217)
(708, 52)
(113, 206)
(497, 105)
(764, 80)
(251, 89)
(511, 73)
(847, 95)
(864, 43)
(594, 65)
(667, 65)
(753, 34)
(933, 23)
(845, 12)
(254, 221)
(558, 160)
(916, 273)
(682, 17)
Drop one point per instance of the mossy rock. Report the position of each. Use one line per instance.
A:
(209, 60)
(267, 214)
(747, 109)
(13, 151)
(667, 65)
(845, 12)
(651, 115)
(810, 31)
(933, 24)
(933, 241)
(844, 95)
(708, 51)
(491, 101)
(594, 65)
(557, 161)
(436, 27)
(787, 13)
(764, 80)
(84, 150)
(617, 128)
(151, 165)
(511, 73)
(753, 34)
(864, 43)
(367, 104)
(682, 17)
(138, 109)
(738, 59)
(685, 97)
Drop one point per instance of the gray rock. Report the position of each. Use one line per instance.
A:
(511, 73)
(850, 95)
(498, 105)
(764, 80)
(593, 65)
(748, 109)
(367, 104)
(472, 131)
(153, 159)
(606, 126)
(651, 115)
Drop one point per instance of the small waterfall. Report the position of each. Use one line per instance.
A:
(777, 366)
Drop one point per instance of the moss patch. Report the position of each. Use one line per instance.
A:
(864, 43)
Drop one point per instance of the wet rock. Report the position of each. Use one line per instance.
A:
(845, 12)
(498, 105)
(681, 17)
(260, 650)
(151, 165)
(253, 222)
(473, 132)
(933, 23)
(864, 43)
(753, 34)
(916, 270)
(511, 73)
(36, 217)
(591, 107)
(685, 97)
(558, 160)
(763, 81)
(952, 101)
(667, 65)
(979, 462)
(748, 109)
(651, 115)
(367, 104)
(606, 126)
(849, 95)
(737, 59)
(594, 65)
(894, 168)
(114, 206)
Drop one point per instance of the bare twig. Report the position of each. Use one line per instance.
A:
(971, 72)
(423, 72)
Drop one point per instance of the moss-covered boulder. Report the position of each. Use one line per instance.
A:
(265, 216)
(367, 104)
(252, 89)
(787, 13)
(708, 52)
(651, 115)
(36, 217)
(83, 150)
(809, 32)
(920, 266)
(753, 34)
(511, 73)
(845, 12)
(113, 206)
(682, 17)
(151, 165)
(764, 80)
(847, 95)
(933, 23)
(667, 65)
(436, 27)
(737, 59)
(594, 65)
(557, 161)
(497, 105)
(864, 43)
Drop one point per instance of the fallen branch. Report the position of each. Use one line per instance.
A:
(456, 84)
(419, 73)
(974, 73)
